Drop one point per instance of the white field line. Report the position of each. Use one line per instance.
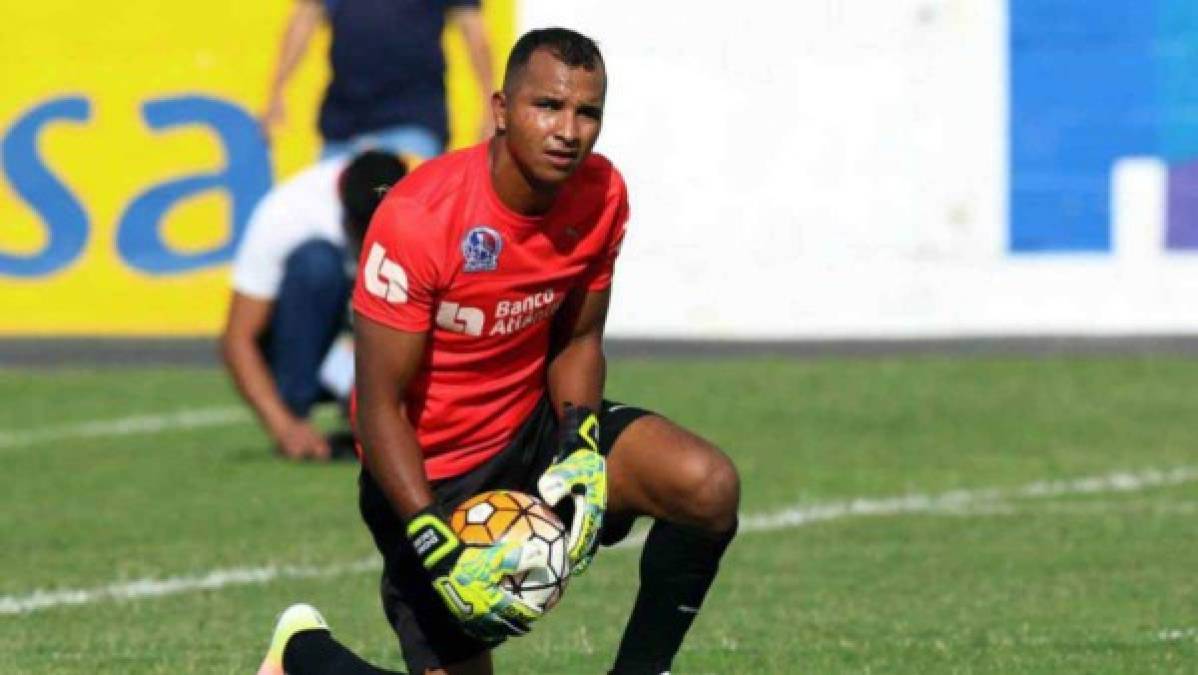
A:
(954, 502)
(1177, 634)
(127, 426)
(805, 514)
(1090, 507)
(150, 588)
(957, 501)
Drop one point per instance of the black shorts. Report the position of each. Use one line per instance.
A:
(428, 634)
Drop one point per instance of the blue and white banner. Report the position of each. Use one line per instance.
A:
(1096, 85)
(902, 168)
(816, 169)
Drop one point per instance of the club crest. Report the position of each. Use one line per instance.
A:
(480, 249)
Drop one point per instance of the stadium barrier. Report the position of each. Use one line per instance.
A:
(798, 171)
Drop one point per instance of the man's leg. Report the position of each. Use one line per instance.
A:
(309, 311)
(421, 624)
(410, 141)
(317, 652)
(303, 645)
(692, 490)
(431, 640)
(333, 149)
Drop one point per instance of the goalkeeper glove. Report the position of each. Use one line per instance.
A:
(467, 577)
(579, 470)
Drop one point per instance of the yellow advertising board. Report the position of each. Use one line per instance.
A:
(131, 156)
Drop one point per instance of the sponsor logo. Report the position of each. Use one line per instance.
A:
(480, 249)
(454, 317)
(525, 305)
(425, 541)
(516, 315)
(385, 278)
(510, 315)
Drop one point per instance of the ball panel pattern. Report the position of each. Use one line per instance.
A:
(479, 512)
(507, 515)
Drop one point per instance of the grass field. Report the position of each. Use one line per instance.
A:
(168, 544)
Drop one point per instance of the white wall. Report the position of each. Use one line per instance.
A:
(837, 168)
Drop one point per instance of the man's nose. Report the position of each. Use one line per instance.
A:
(567, 127)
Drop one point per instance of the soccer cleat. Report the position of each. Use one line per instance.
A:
(342, 446)
(296, 618)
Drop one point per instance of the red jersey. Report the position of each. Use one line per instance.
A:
(445, 256)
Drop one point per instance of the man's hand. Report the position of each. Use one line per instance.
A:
(579, 470)
(467, 577)
(298, 439)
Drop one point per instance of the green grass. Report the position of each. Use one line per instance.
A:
(1097, 583)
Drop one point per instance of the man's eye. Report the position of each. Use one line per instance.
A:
(548, 104)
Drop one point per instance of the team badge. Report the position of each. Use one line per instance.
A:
(481, 249)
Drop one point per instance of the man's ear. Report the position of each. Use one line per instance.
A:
(499, 111)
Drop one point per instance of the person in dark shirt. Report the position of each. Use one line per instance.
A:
(388, 69)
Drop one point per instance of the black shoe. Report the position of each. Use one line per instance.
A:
(342, 447)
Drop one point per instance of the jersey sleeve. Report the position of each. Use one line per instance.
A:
(398, 273)
(601, 272)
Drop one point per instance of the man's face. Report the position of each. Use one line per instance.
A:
(552, 117)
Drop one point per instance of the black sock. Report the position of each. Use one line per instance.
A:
(677, 567)
(315, 652)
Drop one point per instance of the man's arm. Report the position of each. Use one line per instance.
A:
(247, 321)
(469, 21)
(575, 378)
(578, 368)
(306, 16)
(385, 361)
(466, 578)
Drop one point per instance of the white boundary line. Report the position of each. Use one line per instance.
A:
(1177, 634)
(954, 502)
(127, 426)
(152, 588)
(957, 500)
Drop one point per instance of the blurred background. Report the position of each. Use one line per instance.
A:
(133, 156)
(935, 197)
(915, 168)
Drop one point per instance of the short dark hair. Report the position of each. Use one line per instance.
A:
(363, 184)
(571, 47)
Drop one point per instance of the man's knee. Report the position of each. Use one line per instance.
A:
(714, 493)
(297, 396)
(316, 264)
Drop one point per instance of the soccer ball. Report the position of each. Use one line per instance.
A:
(507, 515)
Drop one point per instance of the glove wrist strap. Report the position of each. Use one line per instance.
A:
(434, 541)
(579, 429)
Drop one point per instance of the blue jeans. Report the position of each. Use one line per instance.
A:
(402, 140)
(309, 312)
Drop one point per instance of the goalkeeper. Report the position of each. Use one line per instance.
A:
(480, 305)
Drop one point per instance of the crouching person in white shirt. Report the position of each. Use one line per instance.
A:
(292, 278)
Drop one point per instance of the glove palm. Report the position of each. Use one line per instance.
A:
(580, 471)
(468, 578)
(472, 592)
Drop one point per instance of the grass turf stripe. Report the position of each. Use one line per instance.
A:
(126, 426)
(954, 502)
